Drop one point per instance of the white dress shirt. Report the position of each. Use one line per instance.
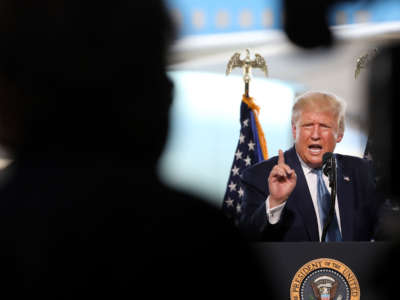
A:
(274, 214)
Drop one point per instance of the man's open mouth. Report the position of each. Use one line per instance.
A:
(315, 149)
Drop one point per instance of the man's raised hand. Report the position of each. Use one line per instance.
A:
(281, 181)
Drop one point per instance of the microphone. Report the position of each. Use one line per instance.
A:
(329, 169)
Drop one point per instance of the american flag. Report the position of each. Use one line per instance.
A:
(251, 148)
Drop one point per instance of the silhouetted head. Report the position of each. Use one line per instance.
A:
(306, 23)
(83, 75)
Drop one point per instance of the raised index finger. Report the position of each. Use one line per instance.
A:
(281, 158)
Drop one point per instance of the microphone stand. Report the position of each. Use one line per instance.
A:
(330, 171)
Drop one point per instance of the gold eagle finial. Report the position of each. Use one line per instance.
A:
(364, 60)
(246, 64)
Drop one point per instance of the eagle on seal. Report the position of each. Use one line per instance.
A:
(324, 290)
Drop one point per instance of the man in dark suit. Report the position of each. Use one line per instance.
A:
(284, 196)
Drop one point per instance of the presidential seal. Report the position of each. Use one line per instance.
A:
(325, 279)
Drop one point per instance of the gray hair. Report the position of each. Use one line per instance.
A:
(319, 102)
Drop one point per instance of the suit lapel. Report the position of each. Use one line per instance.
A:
(301, 197)
(345, 198)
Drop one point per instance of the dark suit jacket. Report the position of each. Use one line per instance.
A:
(357, 199)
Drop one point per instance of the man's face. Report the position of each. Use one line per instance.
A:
(315, 133)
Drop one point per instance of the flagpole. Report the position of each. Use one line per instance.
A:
(246, 89)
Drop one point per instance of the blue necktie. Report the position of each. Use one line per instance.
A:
(324, 201)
